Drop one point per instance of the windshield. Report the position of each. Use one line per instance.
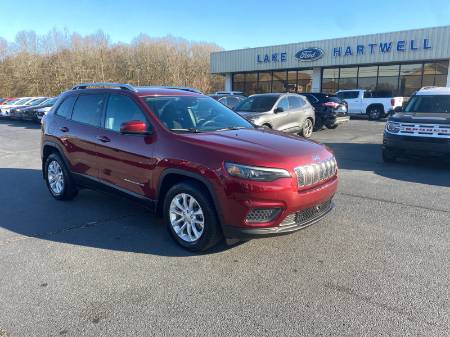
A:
(49, 101)
(431, 104)
(194, 114)
(21, 101)
(261, 103)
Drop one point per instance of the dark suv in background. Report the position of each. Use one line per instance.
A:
(208, 171)
(330, 110)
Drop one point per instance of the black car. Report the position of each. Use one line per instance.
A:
(330, 110)
(17, 111)
(230, 101)
(30, 113)
(422, 128)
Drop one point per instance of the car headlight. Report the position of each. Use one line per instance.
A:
(255, 173)
(393, 127)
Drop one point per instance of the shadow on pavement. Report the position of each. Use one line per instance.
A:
(20, 124)
(367, 157)
(92, 219)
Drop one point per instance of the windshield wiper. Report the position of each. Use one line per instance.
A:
(231, 128)
(192, 130)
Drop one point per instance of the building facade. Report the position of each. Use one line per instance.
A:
(397, 63)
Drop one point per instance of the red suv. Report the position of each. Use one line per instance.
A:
(209, 172)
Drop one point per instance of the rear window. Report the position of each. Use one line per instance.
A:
(429, 104)
(348, 94)
(257, 103)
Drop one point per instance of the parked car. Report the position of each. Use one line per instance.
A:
(422, 128)
(8, 100)
(208, 171)
(375, 105)
(6, 108)
(239, 93)
(231, 101)
(16, 112)
(35, 112)
(330, 110)
(284, 112)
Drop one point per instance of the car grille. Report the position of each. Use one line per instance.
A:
(306, 215)
(312, 174)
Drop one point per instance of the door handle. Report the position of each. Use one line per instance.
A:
(103, 139)
(64, 129)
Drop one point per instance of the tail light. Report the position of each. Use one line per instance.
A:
(332, 105)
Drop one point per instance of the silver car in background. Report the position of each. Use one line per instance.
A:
(284, 112)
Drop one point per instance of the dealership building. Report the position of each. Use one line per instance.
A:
(398, 63)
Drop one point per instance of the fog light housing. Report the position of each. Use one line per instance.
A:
(261, 215)
(393, 127)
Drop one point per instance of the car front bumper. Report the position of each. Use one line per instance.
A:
(423, 146)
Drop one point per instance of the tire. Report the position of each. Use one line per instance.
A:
(307, 128)
(63, 188)
(375, 113)
(186, 231)
(267, 126)
(332, 126)
(389, 156)
(318, 125)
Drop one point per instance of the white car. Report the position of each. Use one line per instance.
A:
(40, 113)
(364, 102)
(5, 109)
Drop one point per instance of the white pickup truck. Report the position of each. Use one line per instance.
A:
(365, 102)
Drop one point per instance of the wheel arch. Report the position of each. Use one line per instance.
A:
(170, 177)
(373, 105)
(47, 149)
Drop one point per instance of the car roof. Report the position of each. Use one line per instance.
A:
(433, 91)
(141, 91)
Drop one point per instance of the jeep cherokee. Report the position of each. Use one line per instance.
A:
(209, 172)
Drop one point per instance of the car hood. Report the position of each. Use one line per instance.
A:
(260, 147)
(423, 117)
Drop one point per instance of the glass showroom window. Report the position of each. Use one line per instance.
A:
(367, 78)
(330, 80)
(264, 82)
(279, 81)
(410, 78)
(435, 74)
(304, 80)
(239, 82)
(348, 78)
(251, 83)
(388, 79)
(292, 81)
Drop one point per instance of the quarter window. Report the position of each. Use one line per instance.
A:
(121, 109)
(65, 108)
(88, 109)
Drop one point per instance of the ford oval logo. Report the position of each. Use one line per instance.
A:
(309, 54)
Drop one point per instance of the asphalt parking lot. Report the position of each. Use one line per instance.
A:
(101, 265)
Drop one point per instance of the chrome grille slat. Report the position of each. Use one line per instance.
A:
(314, 173)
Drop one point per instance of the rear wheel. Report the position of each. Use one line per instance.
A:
(190, 217)
(307, 129)
(375, 113)
(389, 156)
(318, 125)
(58, 178)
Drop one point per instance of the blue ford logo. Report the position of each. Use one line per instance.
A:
(309, 54)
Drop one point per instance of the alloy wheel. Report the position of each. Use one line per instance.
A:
(55, 177)
(308, 128)
(186, 217)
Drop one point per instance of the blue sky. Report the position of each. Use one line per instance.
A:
(231, 24)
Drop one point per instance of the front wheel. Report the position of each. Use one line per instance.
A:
(190, 217)
(307, 129)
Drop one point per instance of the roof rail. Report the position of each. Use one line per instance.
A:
(174, 88)
(428, 87)
(105, 84)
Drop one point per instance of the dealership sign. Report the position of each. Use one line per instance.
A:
(309, 54)
(313, 53)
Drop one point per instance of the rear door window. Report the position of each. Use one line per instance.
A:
(65, 108)
(295, 102)
(348, 94)
(88, 109)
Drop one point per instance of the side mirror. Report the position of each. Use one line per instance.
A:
(134, 128)
(398, 109)
(279, 109)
